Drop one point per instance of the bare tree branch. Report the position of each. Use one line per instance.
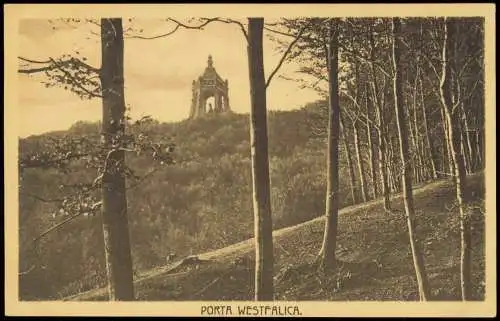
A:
(35, 70)
(186, 26)
(77, 62)
(46, 200)
(154, 37)
(280, 32)
(280, 63)
(207, 21)
(242, 27)
(355, 55)
(93, 22)
(151, 172)
(34, 61)
(359, 112)
(69, 219)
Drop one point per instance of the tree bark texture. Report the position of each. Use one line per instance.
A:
(114, 200)
(260, 164)
(332, 188)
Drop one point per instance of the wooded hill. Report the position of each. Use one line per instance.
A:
(202, 202)
(404, 102)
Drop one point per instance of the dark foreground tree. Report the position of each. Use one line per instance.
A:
(76, 75)
(108, 156)
(114, 200)
(327, 252)
(260, 163)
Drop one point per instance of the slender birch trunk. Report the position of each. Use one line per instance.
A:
(418, 147)
(414, 156)
(449, 157)
(350, 166)
(479, 150)
(361, 167)
(428, 141)
(418, 259)
(394, 172)
(371, 147)
(382, 149)
(466, 141)
(454, 136)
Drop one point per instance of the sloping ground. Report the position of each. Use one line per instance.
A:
(373, 249)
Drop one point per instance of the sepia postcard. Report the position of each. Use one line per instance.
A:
(250, 160)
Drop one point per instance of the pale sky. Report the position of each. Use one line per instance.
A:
(158, 73)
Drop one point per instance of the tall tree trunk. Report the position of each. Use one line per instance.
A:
(327, 251)
(390, 166)
(350, 166)
(371, 147)
(424, 159)
(418, 259)
(413, 155)
(479, 149)
(447, 145)
(467, 142)
(463, 138)
(418, 141)
(454, 135)
(394, 171)
(464, 152)
(357, 144)
(392, 182)
(428, 141)
(445, 160)
(469, 145)
(427, 144)
(114, 200)
(456, 60)
(361, 167)
(264, 290)
(382, 150)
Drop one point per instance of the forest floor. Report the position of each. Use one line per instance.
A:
(373, 249)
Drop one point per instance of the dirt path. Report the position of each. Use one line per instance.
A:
(248, 245)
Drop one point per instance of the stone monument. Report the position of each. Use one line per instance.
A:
(208, 85)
